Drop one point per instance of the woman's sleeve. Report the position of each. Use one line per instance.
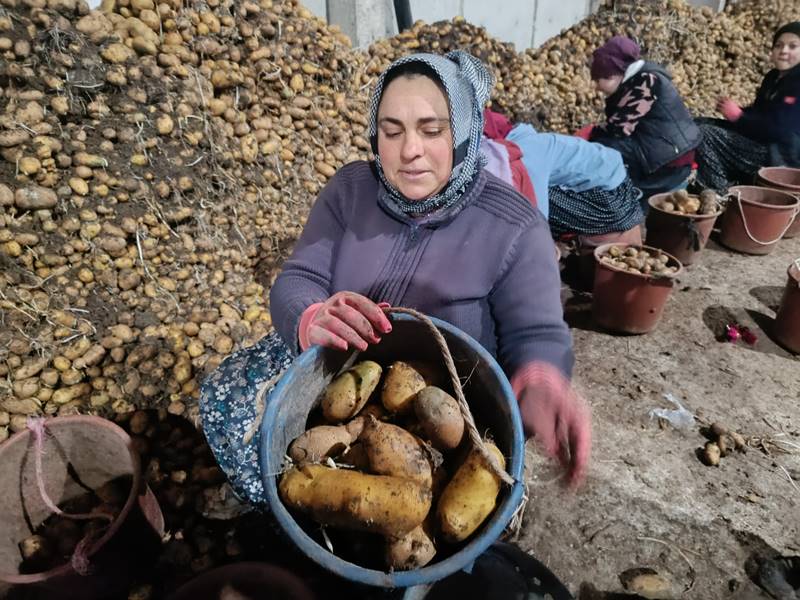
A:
(526, 304)
(306, 275)
(632, 107)
(772, 120)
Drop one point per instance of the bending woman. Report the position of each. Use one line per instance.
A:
(646, 119)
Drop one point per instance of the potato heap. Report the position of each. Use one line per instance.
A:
(158, 159)
(640, 260)
(157, 163)
(393, 456)
(709, 54)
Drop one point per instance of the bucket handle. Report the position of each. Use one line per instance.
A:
(472, 429)
(747, 229)
(797, 266)
(80, 556)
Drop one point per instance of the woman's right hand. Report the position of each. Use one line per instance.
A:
(344, 320)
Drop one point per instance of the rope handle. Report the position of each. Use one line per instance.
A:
(475, 437)
(747, 229)
(80, 556)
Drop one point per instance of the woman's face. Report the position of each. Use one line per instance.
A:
(608, 85)
(415, 143)
(786, 52)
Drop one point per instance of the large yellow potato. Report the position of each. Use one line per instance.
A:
(394, 451)
(402, 383)
(383, 504)
(349, 392)
(469, 498)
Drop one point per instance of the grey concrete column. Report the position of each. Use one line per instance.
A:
(364, 21)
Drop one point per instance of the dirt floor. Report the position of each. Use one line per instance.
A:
(648, 500)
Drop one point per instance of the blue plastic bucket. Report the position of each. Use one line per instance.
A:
(492, 403)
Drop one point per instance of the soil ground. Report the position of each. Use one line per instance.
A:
(648, 500)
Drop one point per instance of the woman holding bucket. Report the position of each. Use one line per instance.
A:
(767, 133)
(423, 226)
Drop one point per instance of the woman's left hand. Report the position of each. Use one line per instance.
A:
(729, 109)
(555, 416)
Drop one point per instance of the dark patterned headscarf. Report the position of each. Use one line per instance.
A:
(467, 85)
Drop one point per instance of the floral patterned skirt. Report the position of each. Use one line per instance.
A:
(231, 414)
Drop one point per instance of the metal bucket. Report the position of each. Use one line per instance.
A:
(492, 403)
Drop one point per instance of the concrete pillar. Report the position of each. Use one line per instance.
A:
(364, 21)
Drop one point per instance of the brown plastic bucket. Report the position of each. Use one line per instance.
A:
(627, 302)
(786, 179)
(588, 243)
(245, 580)
(786, 328)
(682, 236)
(756, 218)
(78, 454)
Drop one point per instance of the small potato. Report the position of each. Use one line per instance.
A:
(469, 498)
(738, 440)
(711, 454)
(392, 506)
(709, 202)
(680, 196)
(394, 451)
(346, 395)
(692, 205)
(35, 548)
(402, 383)
(440, 417)
(668, 206)
(318, 443)
(412, 551)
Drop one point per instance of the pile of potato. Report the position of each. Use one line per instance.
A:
(722, 442)
(708, 53)
(640, 260)
(157, 161)
(684, 203)
(392, 460)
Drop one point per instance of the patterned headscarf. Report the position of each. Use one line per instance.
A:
(468, 85)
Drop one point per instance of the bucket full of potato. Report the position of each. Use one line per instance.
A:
(382, 472)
